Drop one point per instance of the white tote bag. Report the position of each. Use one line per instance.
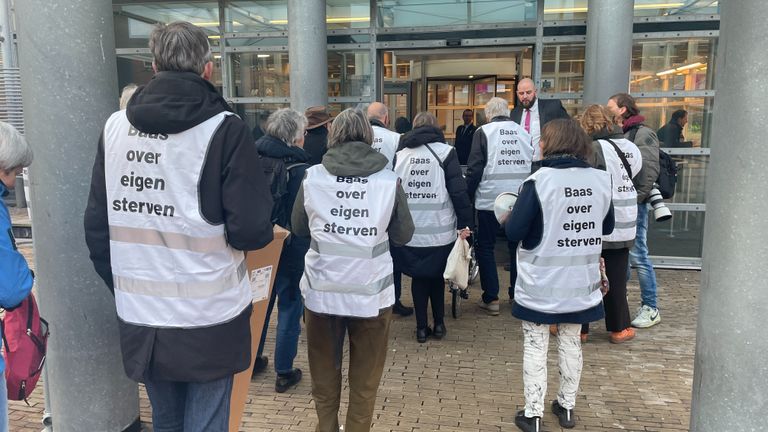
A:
(457, 266)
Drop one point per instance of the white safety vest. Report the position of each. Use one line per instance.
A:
(509, 161)
(385, 142)
(348, 267)
(562, 273)
(430, 204)
(624, 193)
(171, 267)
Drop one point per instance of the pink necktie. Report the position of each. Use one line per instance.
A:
(527, 123)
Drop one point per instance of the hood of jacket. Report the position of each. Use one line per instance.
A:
(613, 132)
(270, 146)
(420, 136)
(354, 158)
(173, 102)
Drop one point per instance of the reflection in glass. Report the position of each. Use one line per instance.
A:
(577, 9)
(137, 69)
(657, 112)
(260, 75)
(134, 22)
(272, 15)
(673, 65)
(485, 89)
(349, 73)
(562, 68)
(397, 13)
(680, 236)
(256, 115)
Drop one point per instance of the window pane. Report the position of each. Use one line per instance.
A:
(134, 22)
(696, 132)
(396, 13)
(137, 69)
(680, 236)
(348, 14)
(256, 114)
(260, 75)
(670, 65)
(349, 73)
(562, 68)
(577, 9)
(262, 15)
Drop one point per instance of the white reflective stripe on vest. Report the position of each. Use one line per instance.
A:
(509, 161)
(562, 273)
(430, 204)
(385, 142)
(171, 267)
(347, 271)
(624, 193)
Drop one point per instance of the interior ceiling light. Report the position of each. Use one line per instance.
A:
(637, 6)
(696, 65)
(330, 20)
(262, 55)
(214, 23)
(690, 66)
(214, 37)
(666, 72)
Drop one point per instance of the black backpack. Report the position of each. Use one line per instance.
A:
(279, 174)
(667, 170)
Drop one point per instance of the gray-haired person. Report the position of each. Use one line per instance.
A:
(15, 277)
(282, 149)
(177, 194)
(350, 206)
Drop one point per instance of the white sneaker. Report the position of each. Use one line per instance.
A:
(646, 317)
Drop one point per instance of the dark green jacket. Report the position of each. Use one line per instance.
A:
(358, 159)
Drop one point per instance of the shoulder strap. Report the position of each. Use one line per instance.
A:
(633, 133)
(439, 161)
(622, 157)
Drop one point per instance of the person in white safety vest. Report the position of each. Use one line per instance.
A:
(177, 194)
(561, 215)
(385, 142)
(437, 196)
(350, 206)
(499, 161)
(616, 155)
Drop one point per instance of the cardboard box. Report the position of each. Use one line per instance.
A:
(262, 268)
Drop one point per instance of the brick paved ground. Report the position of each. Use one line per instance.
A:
(472, 380)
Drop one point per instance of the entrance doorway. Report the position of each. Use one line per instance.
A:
(446, 82)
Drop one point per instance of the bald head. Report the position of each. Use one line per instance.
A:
(378, 111)
(526, 92)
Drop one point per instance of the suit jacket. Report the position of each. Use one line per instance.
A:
(549, 109)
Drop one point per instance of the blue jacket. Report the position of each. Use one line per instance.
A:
(15, 276)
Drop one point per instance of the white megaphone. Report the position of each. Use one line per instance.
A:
(503, 204)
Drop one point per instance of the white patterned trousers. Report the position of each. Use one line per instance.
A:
(535, 345)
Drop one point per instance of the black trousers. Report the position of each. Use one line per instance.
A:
(425, 290)
(615, 302)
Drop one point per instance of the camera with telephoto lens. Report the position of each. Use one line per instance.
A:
(660, 210)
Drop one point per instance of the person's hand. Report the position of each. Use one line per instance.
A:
(504, 217)
(464, 233)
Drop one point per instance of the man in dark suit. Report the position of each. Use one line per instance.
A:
(464, 135)
(671, 134)
(533, 113)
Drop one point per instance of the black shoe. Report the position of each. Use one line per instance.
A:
(564, 416)
(401, 309)
(440, 331)
(259, 365)
(422, 334)
(288, 380)
(527, 424)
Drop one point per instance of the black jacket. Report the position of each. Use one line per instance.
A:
(670, 135)
(233, 192)
(294, 249)
(430, 261)
(549, 109)
(316, 144)
(463, 142)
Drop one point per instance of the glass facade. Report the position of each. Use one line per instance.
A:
(446, 56)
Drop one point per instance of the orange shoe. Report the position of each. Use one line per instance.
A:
(584, 337)
(623, 336)
(553, 329)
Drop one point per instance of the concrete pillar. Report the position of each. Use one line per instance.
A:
(608, 49)
(730, 370)
(69, 88)
(307, 48)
